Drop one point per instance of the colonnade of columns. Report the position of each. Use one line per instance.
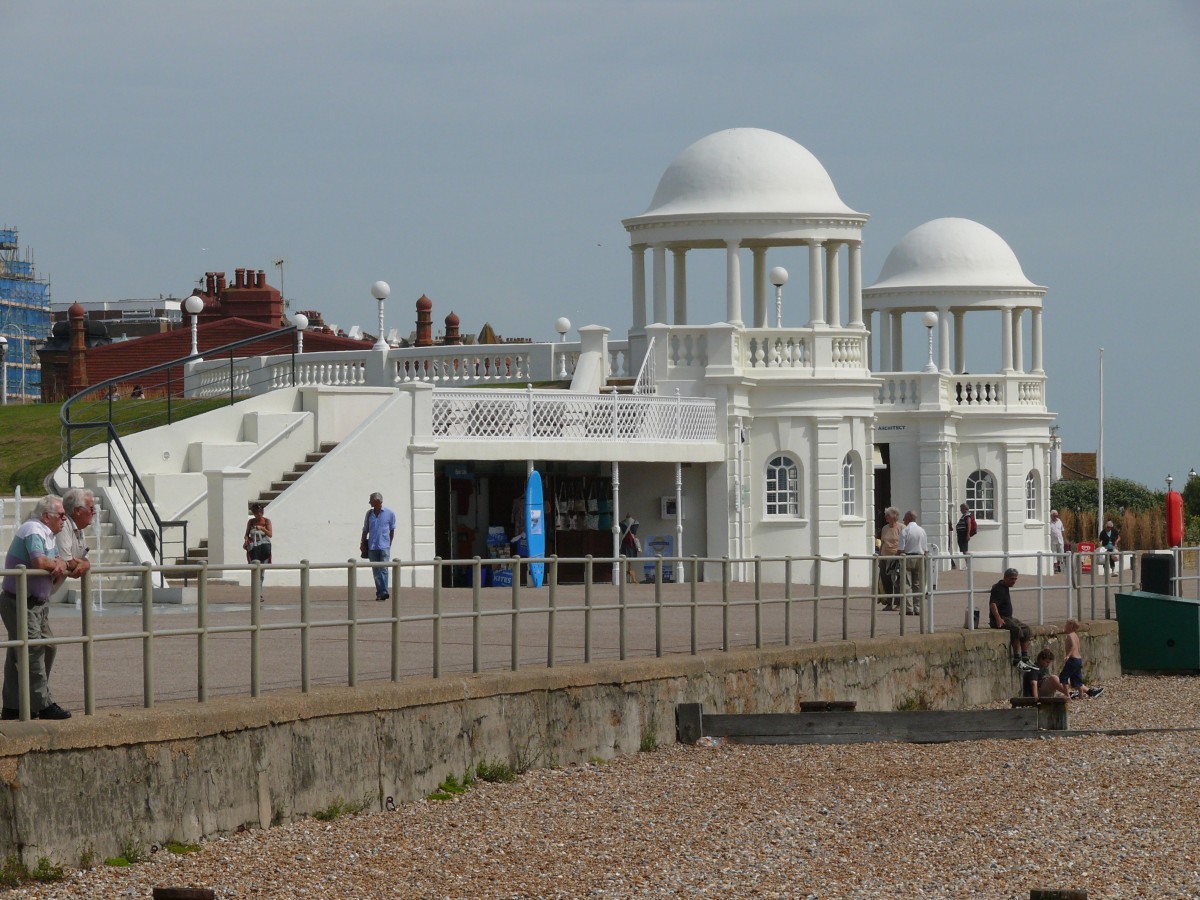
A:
(889, 338)
(824, 284)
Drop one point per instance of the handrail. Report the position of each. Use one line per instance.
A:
(140, 495)
(65, 411)
(644, 383)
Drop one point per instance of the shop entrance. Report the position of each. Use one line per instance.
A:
(479, 510)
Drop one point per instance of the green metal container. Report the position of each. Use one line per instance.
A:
(1159, 633)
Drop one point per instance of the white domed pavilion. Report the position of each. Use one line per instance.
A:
(765, 430)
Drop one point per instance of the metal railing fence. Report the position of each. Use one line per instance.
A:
(428, 631)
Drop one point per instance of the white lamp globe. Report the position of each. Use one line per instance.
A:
(562, 325)
(194, 305)
(931, 319)
(779, 276)
(380, 290)
(301, 321)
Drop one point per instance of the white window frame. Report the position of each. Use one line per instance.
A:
(849, 487)
(781, 501)
(1031, 495)
(981, 495)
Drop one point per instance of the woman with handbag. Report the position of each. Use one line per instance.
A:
(257, 543)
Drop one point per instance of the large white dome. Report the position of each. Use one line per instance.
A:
(951, 252)
(746, 170)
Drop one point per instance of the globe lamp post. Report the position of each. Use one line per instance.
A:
(930, 319)
(301, 323)
(562, 325)
(380, 291)
(779, 277)
(194, 305)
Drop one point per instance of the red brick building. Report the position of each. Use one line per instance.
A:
(79, 352)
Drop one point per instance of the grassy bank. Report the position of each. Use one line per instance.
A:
(32, 444)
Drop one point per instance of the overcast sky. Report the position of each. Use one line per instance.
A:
(485, 153)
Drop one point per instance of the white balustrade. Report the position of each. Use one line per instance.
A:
(962, 393)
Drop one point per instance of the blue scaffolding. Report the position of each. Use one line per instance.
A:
(24, 318)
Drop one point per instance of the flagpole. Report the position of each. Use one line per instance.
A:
(1100, 454)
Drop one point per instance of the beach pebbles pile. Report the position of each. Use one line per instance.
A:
(1115, 815)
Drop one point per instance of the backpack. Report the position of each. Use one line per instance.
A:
(971, 528)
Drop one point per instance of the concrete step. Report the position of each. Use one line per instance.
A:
(289, 478)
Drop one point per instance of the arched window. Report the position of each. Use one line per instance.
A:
(849, 486)
(782, 496)
(1031, 495)
(981, 494)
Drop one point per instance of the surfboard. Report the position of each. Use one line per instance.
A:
(535, 527)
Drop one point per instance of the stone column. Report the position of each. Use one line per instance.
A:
(816, 285)
(1036, 338)
(733, 283)
(1018, 341)
(1006, 342)
(680, 285)
(869, 348)
(884, 341)
(227, 502)
(639, 286)
(760, 287)
(944, 339)
(660, 284)
(833, 288)
(960, 353)
(897, 341)
(855, 275)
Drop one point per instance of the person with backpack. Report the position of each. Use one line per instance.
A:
(964, 530)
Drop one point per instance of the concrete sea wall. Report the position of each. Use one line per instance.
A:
(182, 772)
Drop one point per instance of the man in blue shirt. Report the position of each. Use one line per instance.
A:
(379, 527)
(33, 546)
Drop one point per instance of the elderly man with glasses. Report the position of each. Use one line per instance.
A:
(34, 547)
(80, 507)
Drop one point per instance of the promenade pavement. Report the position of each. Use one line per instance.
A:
(550, 630)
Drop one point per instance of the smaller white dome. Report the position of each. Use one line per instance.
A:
(951, 252)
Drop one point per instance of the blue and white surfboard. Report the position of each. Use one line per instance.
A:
(535, 526)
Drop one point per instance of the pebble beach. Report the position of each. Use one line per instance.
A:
(1113, 814)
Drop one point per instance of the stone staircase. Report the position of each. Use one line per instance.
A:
(199, 553)
(289, 478)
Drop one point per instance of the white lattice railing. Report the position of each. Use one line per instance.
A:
(562, 415)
